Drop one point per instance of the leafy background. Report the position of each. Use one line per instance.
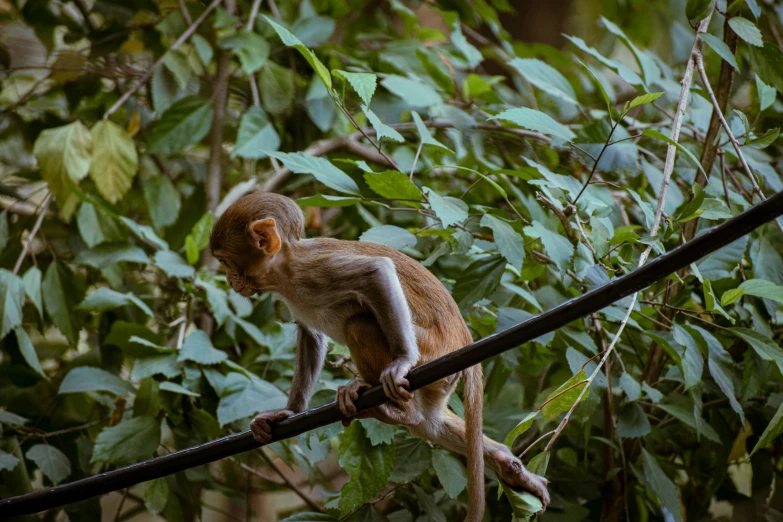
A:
(464, 134)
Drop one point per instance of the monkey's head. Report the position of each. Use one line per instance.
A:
(250, 233)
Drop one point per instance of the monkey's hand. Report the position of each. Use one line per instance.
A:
(395, 385)
(346, 396)
(262, 424)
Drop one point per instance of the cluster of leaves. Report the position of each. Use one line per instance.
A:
(522, 175)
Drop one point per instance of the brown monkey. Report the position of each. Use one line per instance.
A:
(391, 313)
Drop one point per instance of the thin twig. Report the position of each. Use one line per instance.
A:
(539, 439)
(182, 39)
(36, 227)
(185, 13)
(251, 21)
(416, 160)
(287, 481)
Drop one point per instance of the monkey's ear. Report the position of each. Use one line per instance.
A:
(265, 236)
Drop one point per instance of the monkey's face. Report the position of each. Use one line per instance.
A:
(236, 275)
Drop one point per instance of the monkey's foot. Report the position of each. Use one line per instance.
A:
(513, 473)
(262, 424)
(395, 385)
(346, 396)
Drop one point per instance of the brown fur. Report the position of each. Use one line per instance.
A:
(346, 290)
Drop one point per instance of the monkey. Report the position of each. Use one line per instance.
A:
(389, 310)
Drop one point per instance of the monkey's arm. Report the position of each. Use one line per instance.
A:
(376, 283)
(310, 355)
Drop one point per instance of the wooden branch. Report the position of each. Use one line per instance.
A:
(36, 227)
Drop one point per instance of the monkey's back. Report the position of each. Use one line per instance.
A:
(440, 326)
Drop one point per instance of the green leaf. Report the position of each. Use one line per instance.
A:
(766, 94)
(11, 301)
(696, 10)
(766, 140)
(156, 495)
(415, 93)
(3, 230)
(256, 135)
(173, 265)
(114, 161)
(600, 84)
(767, 62)
(763, 288)
(630, 386)
(162, 200)
(145, 233)
(203, 48)
(721, 367)
(510, 244)
(731, 296)
(652, 133)
(28, 351)
(251, 49)
(561, 400)
(546, 78)
(166, 365)
(425, 136)
(173, 387)
(717, 45)
(12, 419)
(520, 428)
(184, 123)
(176, 62)
(321, 168)
(363, 83)
(51, 461)
(524, 504)
(322, 200)
(632, 421)
(657, 481)
(394, 185)
(382, 130)
(310, 517)
(746, 30)
(534, 120)
(644, 98)
(369, 467)
(60, 298)
(412, 458)
(107, 299)
(64, 155)
(255, 397)
(32, 287)
(276, 84)
(96, 226)
(292, 41)
(692, 361)
(107, 254)
(389, 235)
(449, 210)
(313, 30)
(478, 280)
(771, 432)
(378, 432)
(558, 247)
(764, 347)
(128, 442)
(7, 461)
(450, 471)
(90, 379)
(198, 348)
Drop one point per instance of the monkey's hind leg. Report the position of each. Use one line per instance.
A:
(446, 429)
(406, 414)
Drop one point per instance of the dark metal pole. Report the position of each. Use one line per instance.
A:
(557, 317)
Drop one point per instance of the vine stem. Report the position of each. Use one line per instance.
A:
(679, 115)
(179, 41)
(36, 227)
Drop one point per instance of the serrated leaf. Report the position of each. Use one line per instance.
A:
(767, 62)
(28, 351)
(114, 162)
(369, 467)
(251, 49)
(323, 170)
(771, 432)
(510, 244)
(523, 503)
(394, 185)
(766, 94)
(764, 347)
(96, 226)
(64, 155)
(520, 428)
(661, 485)
(11, 301)
(163, 201)
(107, 299)
(198, 348)
(632, 421)
(717, 45)
(173, 265)
(546, 78)
(107, 254)
(363, 83)
(450, 471)
(381, 129)
(90, 379)
(558, 247)
(128, 442)
(415, 93)
(644, 98)
(378, 432)
(255, 397)
(12, 419)
(534, 120)
(762, 142)
(156, 495)
(721, 367)
(731, 296)
(449, 210)
(696, 10)
(51, 461)
(7, 461)
(652, 133)
(478, 280)
(412, 458)
(764, 289)
(173, 387)
(166, 365)
(389, 235)
(561, 400)
(184, 123)
(292, 41)
(32, 288)
(325, 201)
(425, 136)
(746, 30)
(60, 299)
(256, 135)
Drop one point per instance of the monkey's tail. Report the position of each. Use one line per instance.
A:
(474, 407)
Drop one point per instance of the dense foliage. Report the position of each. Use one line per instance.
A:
(520, 174)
